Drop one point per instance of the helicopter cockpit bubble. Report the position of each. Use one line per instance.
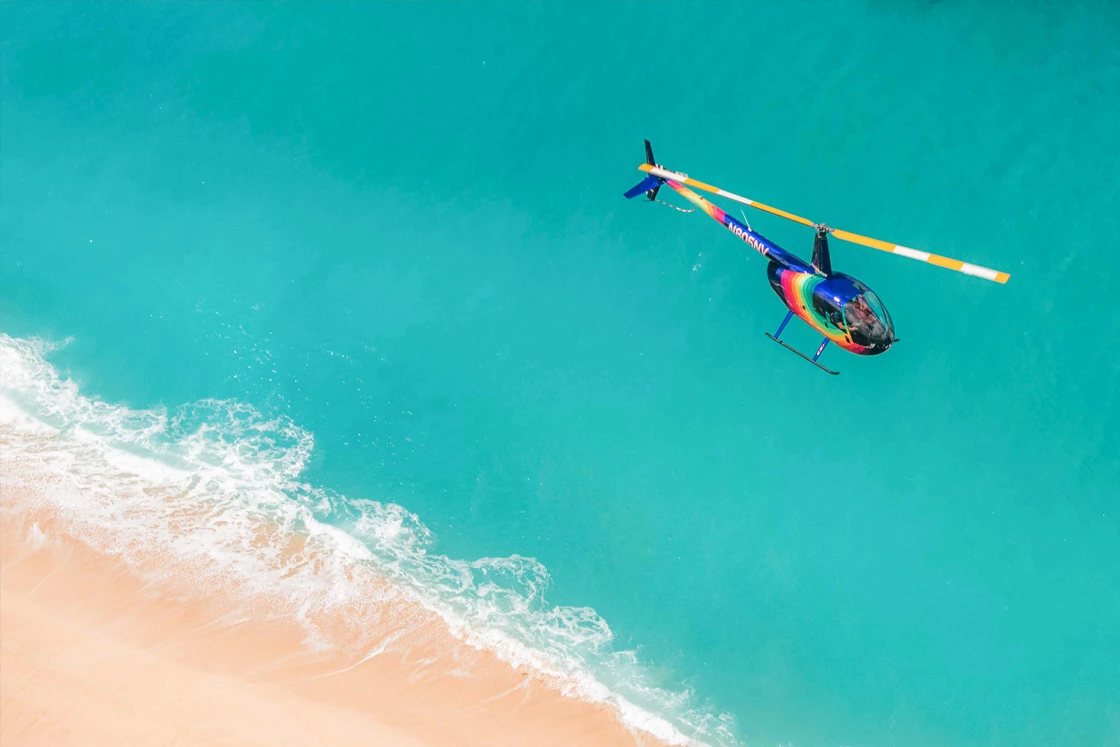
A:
(868, 322)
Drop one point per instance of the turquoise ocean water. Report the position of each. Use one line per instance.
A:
(399, 228)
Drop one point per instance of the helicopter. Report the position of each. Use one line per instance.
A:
(840, 307)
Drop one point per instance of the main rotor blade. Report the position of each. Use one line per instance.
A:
(685, 179)
(933, 259)
(855, 238)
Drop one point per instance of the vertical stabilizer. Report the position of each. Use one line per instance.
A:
(650, 184)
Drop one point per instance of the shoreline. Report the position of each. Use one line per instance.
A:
(90, 654)
(185, 541)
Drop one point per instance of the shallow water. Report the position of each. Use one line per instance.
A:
(390, 240)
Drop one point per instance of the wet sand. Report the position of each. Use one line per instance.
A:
(92, 655)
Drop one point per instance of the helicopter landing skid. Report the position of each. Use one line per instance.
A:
(795, 350)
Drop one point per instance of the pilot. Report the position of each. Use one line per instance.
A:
(864, 319)
(875, 329)
(858, 312)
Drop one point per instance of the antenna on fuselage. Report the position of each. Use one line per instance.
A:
(742, 213)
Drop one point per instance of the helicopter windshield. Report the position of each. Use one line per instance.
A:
(880, 310)
(868, 322)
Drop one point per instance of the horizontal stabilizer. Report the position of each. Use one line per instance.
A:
(648, 186)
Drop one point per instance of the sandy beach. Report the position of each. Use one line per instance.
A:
(91, 655)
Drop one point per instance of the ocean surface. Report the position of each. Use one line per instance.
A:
(369, 264)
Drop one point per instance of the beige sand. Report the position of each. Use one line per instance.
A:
(91, 656)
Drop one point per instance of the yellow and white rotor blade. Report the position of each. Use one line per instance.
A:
(855, 238)
(933, 259)
(689, 181)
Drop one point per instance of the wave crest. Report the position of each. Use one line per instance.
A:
(217, 485)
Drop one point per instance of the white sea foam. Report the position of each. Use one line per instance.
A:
(216, 486)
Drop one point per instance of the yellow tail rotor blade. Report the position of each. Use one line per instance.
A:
(855, 238)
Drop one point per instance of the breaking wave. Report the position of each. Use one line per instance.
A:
(216, 485)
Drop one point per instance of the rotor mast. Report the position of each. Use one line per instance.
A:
(822, 262)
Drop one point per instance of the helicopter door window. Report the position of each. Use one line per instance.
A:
(829, 312)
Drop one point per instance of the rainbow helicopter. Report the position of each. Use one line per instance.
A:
(838, 306)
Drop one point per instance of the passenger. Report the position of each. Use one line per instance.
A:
(864, 323)
(859, 313)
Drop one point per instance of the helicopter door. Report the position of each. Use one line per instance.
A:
(830, 313)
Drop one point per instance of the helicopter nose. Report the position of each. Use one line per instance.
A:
(879, 335)
(885, 339)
